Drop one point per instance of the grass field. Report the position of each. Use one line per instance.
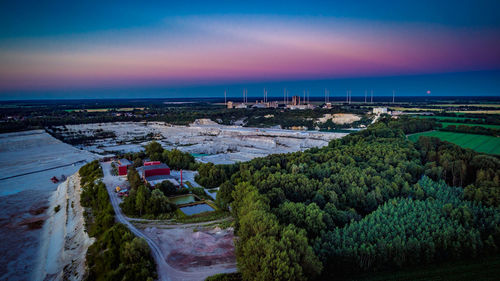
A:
(477, 111)
(492, 105)
(477, 270)
(479, 143)
(446, 124)
(444, 118)
(398, 108)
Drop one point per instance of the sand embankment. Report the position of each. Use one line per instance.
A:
(64, 242)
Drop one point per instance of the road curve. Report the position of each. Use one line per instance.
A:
(155, 249)
(165, 271)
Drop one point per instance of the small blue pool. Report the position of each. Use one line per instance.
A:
(196, 209)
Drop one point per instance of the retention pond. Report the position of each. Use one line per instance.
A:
(196, 209)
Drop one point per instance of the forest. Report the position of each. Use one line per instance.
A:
(472, 130)
(351, 207)
(116, 253)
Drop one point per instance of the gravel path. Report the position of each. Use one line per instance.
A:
(165, 271)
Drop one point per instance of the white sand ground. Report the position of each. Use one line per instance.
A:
(340, 118)
(224, 144)
(31, 151)
(64, 240)
(24, 199)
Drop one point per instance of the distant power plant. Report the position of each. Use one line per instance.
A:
(297, 101)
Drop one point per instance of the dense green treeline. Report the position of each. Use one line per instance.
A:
(413, 125)
(355, 173)
(308, 193)
(437, 225)
(478, 173)
(266, 249)
(361, 204)
(116, 253)
(210, 175)
(468, 118)
(472, 130)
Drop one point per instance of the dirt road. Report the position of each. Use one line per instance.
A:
(165, 271)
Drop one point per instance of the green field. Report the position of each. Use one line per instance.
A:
(446, 124)
(479, 143)
(444, 118)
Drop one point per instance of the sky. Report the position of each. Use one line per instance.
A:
(91, 49)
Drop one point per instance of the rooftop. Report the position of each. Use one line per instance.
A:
(154, 180)
(152, 167)
(124, 161)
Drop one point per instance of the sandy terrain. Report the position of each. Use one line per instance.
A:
(25, 199)
(340, 118)
(64, 240)
(195, 248)
(224, 144)
(36, 153)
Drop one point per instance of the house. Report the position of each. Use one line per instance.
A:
(379, 110)
(153, 170)
(123, 165)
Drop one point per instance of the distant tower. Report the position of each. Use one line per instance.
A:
(393, 95)
(225, 99)
(366, 92)
(371, 97)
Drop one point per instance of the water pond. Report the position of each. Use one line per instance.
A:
(196, 209)
(183, 199)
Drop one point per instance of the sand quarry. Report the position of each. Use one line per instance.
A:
(218, 144)
(32, 157)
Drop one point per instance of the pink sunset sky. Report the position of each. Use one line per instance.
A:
(217, 49)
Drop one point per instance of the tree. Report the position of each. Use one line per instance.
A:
(141, 199)
(154, 150)
(133, 178)
(158, 203)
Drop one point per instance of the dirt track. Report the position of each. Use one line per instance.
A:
(170, 264)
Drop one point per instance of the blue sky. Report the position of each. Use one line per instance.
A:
(51, 49)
